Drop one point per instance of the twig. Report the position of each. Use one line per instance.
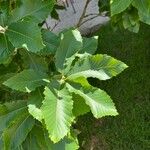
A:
(83, 13)
(89, 19)
(71, 1)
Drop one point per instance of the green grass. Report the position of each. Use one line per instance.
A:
(130, 92)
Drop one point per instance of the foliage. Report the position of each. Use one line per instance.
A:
(41, 74)
(128, 13)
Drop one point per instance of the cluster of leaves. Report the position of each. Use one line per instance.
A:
(43, 81)
(130, 13)
(127, 13)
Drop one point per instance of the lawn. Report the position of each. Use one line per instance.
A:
(130, 92)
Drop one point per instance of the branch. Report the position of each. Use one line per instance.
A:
(83, 13)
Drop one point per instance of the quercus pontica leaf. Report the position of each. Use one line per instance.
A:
(57, 113)
(26, 81)
(44, 77)
(25, 34)
(99, 66)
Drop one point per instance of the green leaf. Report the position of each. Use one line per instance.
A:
(131, 21)
(143, 7)
(100, 103)
(36, 139)
(70, 44)
(6, 49)
(51, 41)
(25, 35)
(57, 112)
(26, 81)
(79, 106)
(66, 144)
(9, 111)
(34, 104)
(33, 61)
(16, 133)
(4, 12)
(89, 45)
(98, 66)
(117, 6)
(34, 8)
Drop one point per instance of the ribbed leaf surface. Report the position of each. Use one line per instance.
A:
(100, 103)
(26, 81)
(99, 66)
(25, 35)
(57, 113)
(34, 8)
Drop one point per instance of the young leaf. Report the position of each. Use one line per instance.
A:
(6, 49)
(34, 8)
(98, 66)
(26, 81)
(70, 44)
(100, 103)
(57, 113)
(117, 6)
(18, 130)
(25, 35)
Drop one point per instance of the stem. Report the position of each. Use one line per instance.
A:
(2, 30)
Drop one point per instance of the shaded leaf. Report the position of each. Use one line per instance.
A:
(17, 131)
(117, 6)
(99, 102)
(79, 106)
(143, 7)
(9, 111)
(33, 61)
(6, 49)
(51, 41)
(70, 44)
(89, 45)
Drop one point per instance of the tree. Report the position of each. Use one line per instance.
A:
(43, 80)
